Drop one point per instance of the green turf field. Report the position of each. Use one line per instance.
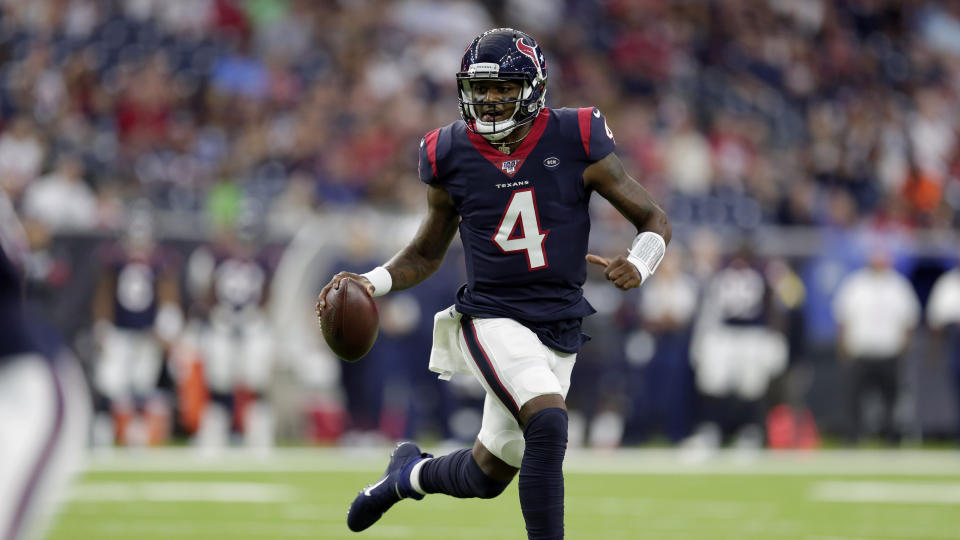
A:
(626, 495)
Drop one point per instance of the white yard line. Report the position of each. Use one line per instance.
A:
(886, 492)
(138, 528)
(236, 529)
(819, 537)
(826, 462)
(219, 492)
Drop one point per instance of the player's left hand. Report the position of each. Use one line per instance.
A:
(619, 270)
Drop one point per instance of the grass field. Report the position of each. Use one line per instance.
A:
(646, 494)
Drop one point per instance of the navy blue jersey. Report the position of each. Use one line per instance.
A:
(21, 329)
(137, 280)
(742, 296)
(10, 276)
(240, 281)
(14, 338)
(524, 218)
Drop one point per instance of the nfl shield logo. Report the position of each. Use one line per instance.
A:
(510, 167)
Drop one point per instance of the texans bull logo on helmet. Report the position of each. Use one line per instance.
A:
(532, 52)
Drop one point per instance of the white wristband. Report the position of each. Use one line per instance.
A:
(646, 253)
(381, 279)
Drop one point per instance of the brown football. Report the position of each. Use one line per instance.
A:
(349, 320)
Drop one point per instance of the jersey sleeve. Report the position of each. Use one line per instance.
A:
(595, 134)
(434, 147)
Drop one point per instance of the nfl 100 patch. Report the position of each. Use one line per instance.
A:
(510, 167)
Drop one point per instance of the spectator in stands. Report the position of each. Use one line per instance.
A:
(247, 73)
(21, 156)
(62, 200)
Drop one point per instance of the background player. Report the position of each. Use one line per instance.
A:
(138, 316)
(516, 177)
(236, 340)
(738, 348)
(44, 405)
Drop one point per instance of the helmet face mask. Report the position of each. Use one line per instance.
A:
(479, 106)
(502, 55)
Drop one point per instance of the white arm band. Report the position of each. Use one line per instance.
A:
(646, 253)
(381, 279)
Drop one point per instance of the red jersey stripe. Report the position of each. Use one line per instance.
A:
(583, 115)
(431, 139)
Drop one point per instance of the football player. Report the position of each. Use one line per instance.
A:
(236, 341)
(737, 349)
(515, 178)
(44, 403)
(137, 317)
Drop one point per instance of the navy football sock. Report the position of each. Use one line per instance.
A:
(457, 474)
(541, 474)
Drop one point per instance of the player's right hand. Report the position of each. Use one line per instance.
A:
(335, 284)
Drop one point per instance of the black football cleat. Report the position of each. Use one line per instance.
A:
(374, 500)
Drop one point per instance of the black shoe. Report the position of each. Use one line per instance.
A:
(374, 500)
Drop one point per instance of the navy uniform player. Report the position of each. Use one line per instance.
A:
(137, 316)
(237, 342)
(515, 177)
(44, 404)
(736, 350)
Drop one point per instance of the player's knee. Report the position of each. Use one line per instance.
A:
(489, 476)
(491, 488)
(485, 487)
(547, 426)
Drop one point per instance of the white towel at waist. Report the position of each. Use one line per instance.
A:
(446, 357)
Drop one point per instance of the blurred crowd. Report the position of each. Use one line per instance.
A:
(733, 113)
(241, 124)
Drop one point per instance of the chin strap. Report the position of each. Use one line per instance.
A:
(490, 126)
(646, 253)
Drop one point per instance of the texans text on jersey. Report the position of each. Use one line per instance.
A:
(518, 183)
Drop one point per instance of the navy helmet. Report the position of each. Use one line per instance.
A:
(503, 54)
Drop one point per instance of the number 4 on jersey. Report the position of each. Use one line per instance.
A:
(522, 208)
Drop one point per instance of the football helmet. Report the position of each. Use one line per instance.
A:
(502, 54)
(139, 232)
